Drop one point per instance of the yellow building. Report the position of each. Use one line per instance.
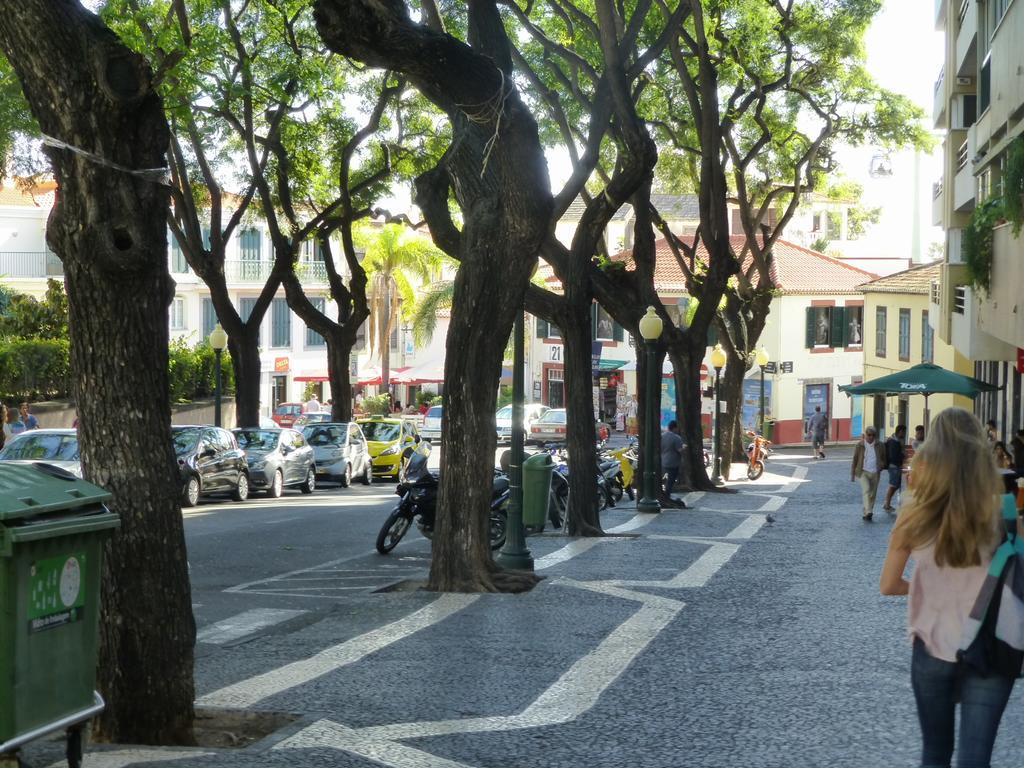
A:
(897, 335)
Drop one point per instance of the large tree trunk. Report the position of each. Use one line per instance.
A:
(244, 346)
(686, 366)
(731, 395)
(339, 350)
(109, 228)
(496, 167)
(575, 326)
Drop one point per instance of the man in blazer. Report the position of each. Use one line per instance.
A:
(868, 463)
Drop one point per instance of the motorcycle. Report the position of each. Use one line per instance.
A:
(757, 455)
(627, 457)
(418, 487)
(609, 478)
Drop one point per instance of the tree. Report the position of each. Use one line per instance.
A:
(393, 256)
(495, 167)
(108, 135)
(792, 85)
(27, 317)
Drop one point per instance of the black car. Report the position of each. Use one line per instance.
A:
(210, 462)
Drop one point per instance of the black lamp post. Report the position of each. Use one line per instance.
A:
(218, 340)
(514, 553)
(761, 358)
(650, 330)
(718, 363)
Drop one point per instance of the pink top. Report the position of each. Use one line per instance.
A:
(941, 598)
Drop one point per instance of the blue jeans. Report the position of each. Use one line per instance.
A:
(938, 687)
(671, 475)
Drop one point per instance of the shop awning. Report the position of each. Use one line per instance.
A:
(313, 377)
(611, 365)
(370, 375)
(431, 372)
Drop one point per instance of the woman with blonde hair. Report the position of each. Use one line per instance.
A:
(950, 526)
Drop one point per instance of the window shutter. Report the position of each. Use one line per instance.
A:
(314, 339)
(206, 238)
(209, 317)
(617, 333)
(809, 329)
(542, 328)
(838, 330)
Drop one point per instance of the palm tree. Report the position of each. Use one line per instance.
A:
(393, 256)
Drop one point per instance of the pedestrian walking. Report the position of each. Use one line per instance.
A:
(30, 421)
(14, 422)
(632, 422)
(671, 459)
(950, 527)
(817, 427)
(312, 405)
(895, 456)
(868, 462)
(992, 432)
(918, 437)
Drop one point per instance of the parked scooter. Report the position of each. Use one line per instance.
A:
(757, 455)
(418, 488)
(609, 479)
(627, 457)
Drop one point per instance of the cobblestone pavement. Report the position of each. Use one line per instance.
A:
(702, 638)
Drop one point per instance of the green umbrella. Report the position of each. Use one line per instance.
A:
(924, 379)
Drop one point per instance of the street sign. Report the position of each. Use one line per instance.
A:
(771, 367)
(632, 340)
(787, 367)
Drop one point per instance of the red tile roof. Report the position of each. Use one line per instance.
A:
(39, 196)
(794, 270)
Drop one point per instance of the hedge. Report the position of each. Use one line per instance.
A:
(34, 369)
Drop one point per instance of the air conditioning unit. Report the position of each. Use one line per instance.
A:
(964, 111)
(965, 81)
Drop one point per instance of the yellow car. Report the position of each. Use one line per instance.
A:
(386, 439)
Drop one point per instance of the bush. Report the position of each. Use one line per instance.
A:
(377, 405)
(977, 242)
(424, 398)
(436, 400)
(191, 372)
(34, 369)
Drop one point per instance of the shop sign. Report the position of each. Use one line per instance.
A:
(281, 365)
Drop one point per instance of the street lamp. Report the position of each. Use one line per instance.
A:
(761, 358)
(718, 363)
(650, 330)
(514, 553)
(218, 340)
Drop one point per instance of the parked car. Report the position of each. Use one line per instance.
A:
(549, 428)
(340, 452)
(53, 446)
(503, 419)
(210, 461)
(431, 428)
(312, 418)
(387, 439)
(286, 413)
(277, 459)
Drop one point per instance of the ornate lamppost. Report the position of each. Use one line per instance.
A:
(514, 553)
(650, 330)
(718, 360)
(218, 341)
(761, 358)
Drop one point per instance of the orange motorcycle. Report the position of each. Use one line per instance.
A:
(757, 455)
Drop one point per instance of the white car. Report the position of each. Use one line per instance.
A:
(52, 446)
(503, 419)
(431, 429)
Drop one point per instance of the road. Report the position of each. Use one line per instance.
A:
(705, 638)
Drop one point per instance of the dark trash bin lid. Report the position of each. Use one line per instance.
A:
(28, 490)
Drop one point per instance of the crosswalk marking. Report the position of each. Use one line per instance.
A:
(244, 624)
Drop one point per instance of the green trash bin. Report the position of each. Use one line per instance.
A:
(52, 529)
(769, 430)
(537, 471)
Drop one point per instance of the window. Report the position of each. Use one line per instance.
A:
(821, 327)
(314, 339)
(854, 326)
(905, 335)
(249, 242)
(281, 324)
(360, 343)
(178, 313)
(927, 339)
(880, 320)
(546, 330)
(209, 317)
(604, 328)
(178, 264)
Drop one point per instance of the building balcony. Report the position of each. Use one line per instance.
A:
(1001, 314)
(966, 334)
(967, 40)
(939, 107)
(30, 264)
(963, 184)
(938, 203)
(252, 271)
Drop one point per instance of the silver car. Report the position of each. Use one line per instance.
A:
(549, 428)
(53, 446)
(503, 419)
(340, 452)
(431, 428)
(278, 459)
